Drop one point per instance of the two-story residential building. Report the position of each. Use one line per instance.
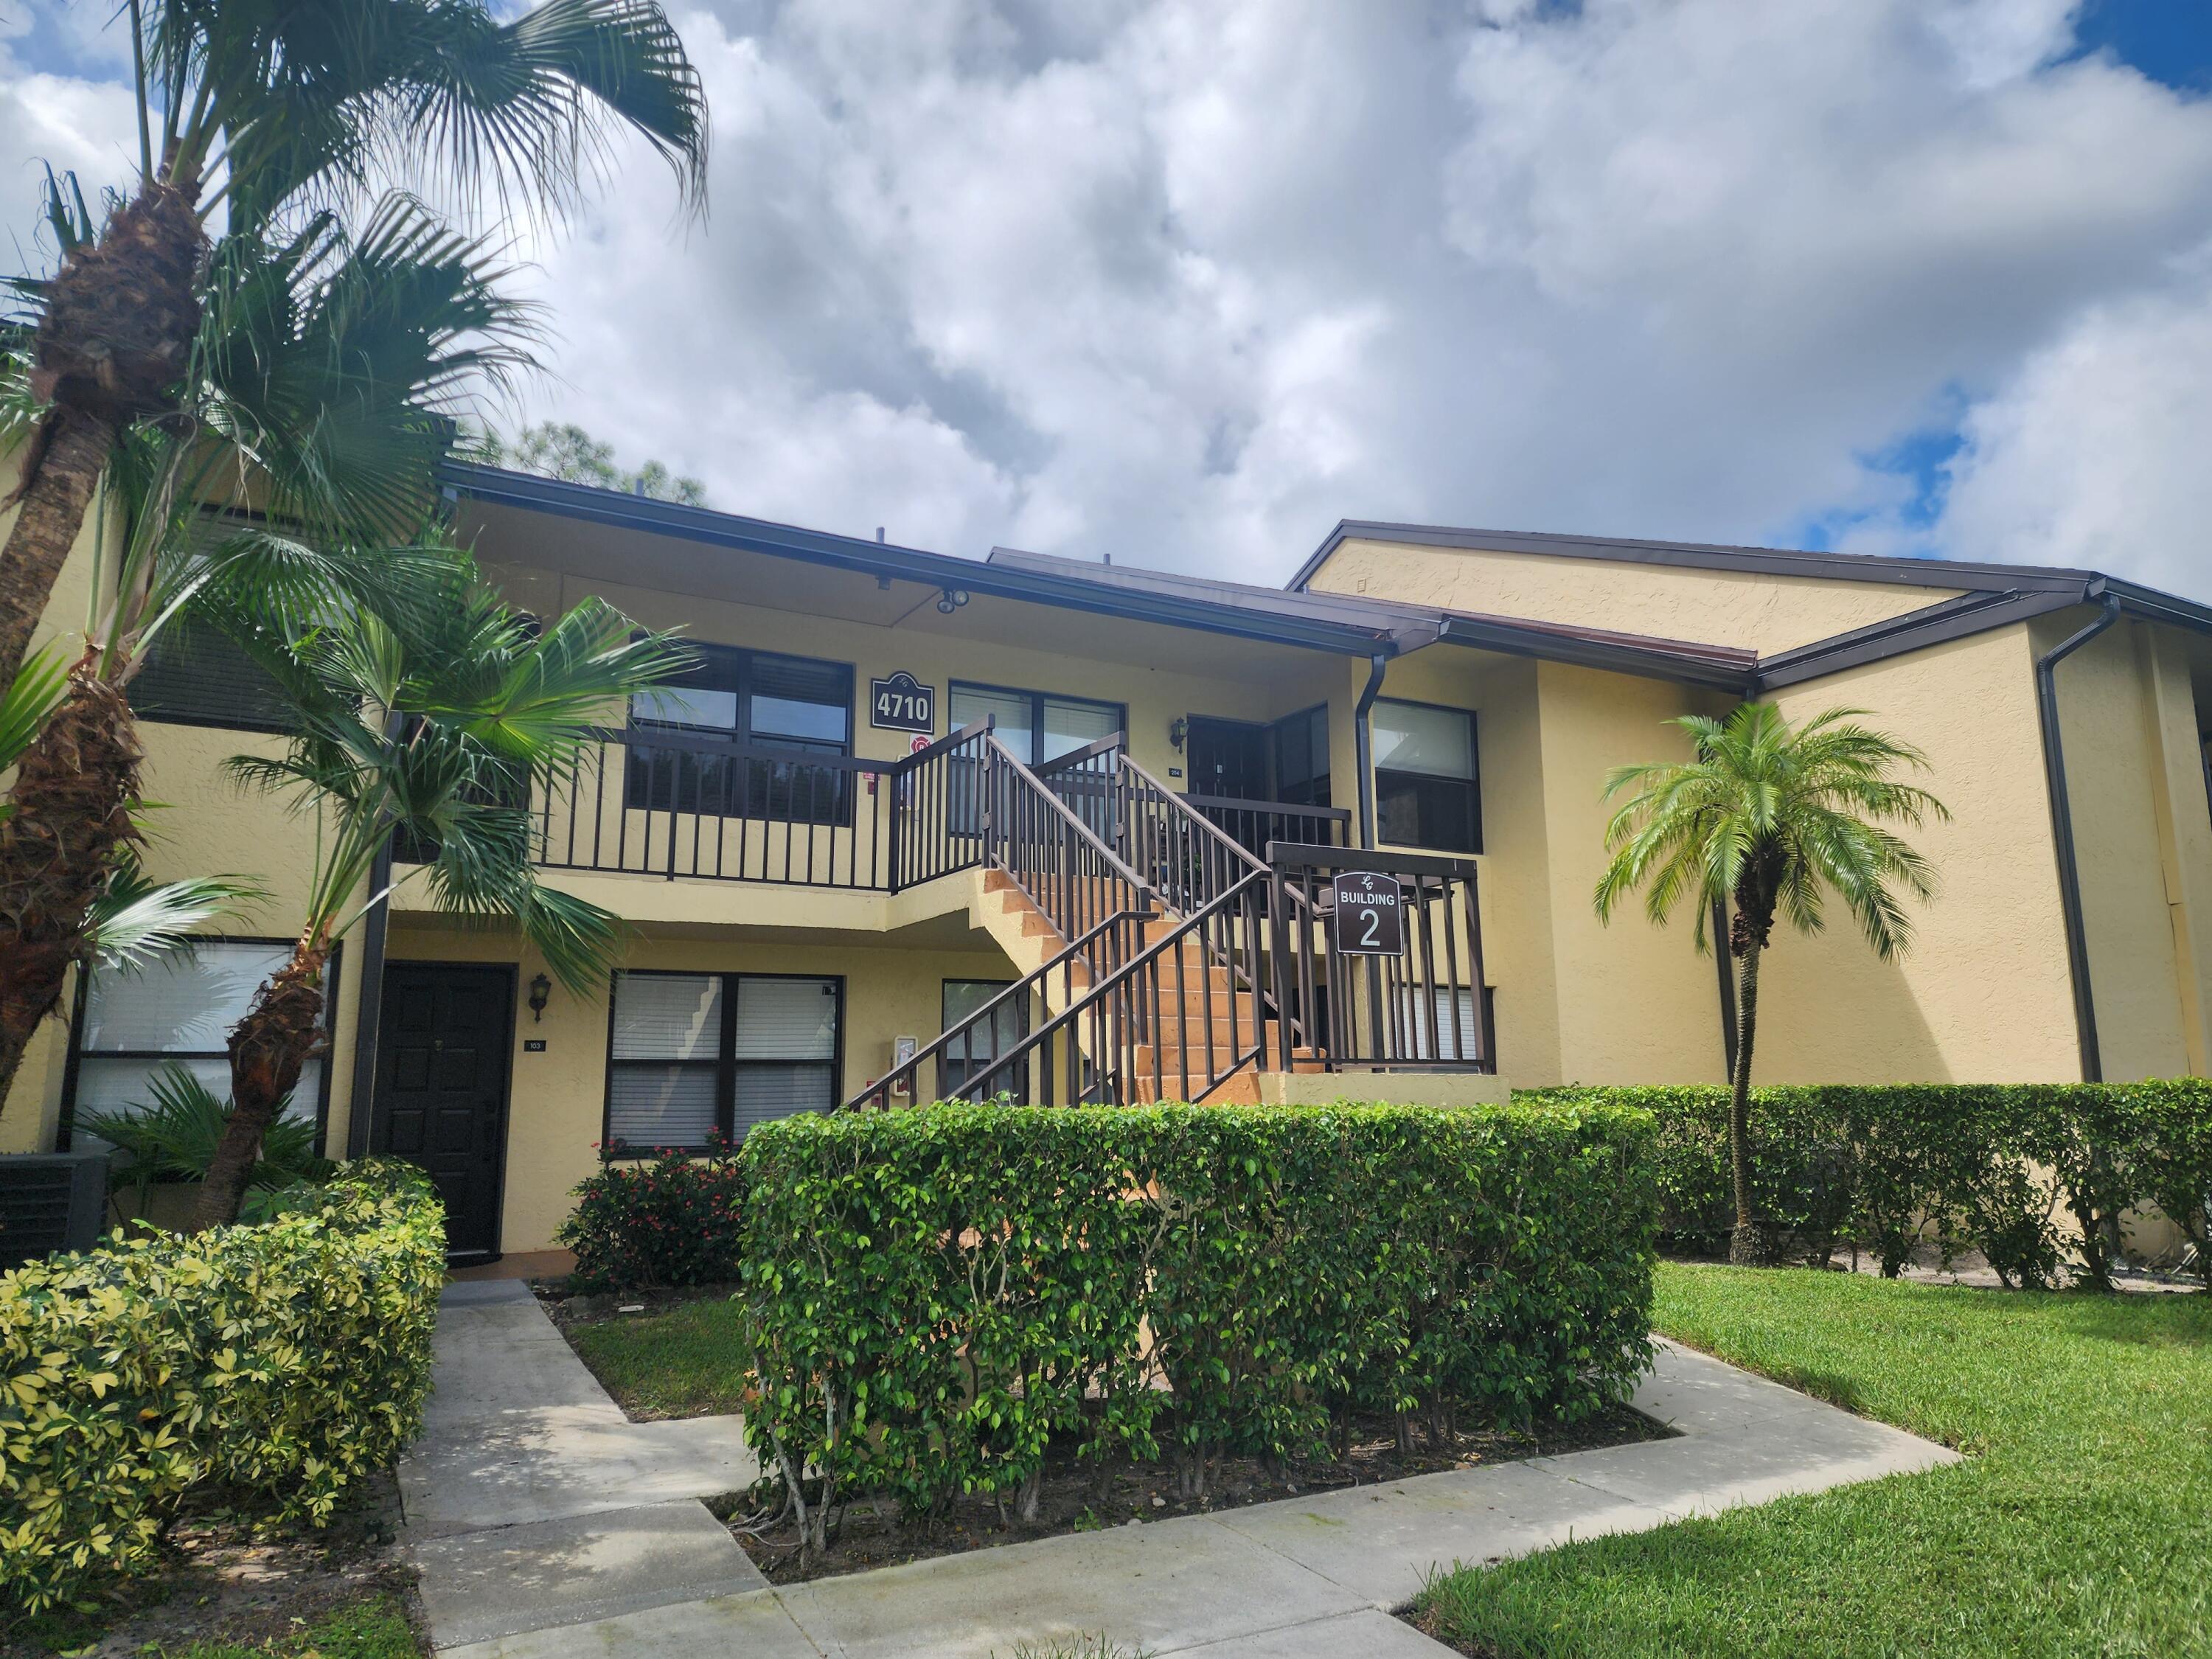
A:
(918, 823)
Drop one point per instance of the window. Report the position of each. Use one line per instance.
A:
(177, 1011)
(1426, 790)
(1066, 723)
(969, 1054)
(1444, 1026)
(693, 1055)
(195, 675)
(752, 698)
(1301, 757)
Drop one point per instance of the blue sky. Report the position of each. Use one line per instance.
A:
(2170, 40)
(1186, 281)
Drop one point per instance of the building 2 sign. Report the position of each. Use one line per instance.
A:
(902, 703)
(1370, 915)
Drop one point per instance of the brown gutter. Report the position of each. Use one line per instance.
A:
(2062, 828)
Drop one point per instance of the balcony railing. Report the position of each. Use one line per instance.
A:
(669, 804)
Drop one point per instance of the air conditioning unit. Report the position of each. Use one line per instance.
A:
(51, 1201)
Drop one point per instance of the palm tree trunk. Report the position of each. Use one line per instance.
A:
(1749, 1247)
(268, 1048)
(61, 472)
(74, 790)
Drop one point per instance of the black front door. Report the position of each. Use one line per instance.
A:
(1228, 757)
(441, 1068)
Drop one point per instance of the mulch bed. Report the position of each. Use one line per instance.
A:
(872, 1533)
(223, 1579)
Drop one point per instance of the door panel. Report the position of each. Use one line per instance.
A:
(441, 1074)
(1228, 757)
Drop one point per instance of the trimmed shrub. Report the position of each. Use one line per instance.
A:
(1884, 1167)
(674, 1221)
(286, 1360)
(935, 1293)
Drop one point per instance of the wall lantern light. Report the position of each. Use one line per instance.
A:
(1178, 730)
(541, 992)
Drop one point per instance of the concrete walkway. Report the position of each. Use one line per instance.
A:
(1299, 1579)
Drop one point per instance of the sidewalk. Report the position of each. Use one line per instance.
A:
(1298, 1579)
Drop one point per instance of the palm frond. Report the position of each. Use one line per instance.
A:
(30, 700)
(1773, 817)
(136, 922)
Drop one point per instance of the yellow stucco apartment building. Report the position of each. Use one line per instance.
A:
(1104, 826)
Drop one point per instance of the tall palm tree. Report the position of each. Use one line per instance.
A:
(1771, 818)
(433, 725)
(271, 112)
(321, 369)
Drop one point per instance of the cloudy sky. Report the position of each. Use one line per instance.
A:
(1186, 281)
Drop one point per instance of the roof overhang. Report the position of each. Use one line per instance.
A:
(591, 504)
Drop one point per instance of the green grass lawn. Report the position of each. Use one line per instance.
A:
(685, 1362)
(2080, 1522)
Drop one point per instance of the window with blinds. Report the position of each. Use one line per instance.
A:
(694, 1057)
(176, 1013)
(195, 675)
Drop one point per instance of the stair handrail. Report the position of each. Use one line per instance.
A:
(1011, 763)
(909, 1069)
(1101, 989)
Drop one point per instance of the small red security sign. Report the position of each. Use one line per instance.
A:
(1371, 916)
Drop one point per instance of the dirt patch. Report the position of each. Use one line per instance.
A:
(568, 1311)
(222, 1577)
(1075, 1498)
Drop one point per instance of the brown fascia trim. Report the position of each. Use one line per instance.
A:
(1936, 624)
(1717, 667)
(1703, 555)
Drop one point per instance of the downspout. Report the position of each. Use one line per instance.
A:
(2062, 828)
(369, 1011)
(1363, 743)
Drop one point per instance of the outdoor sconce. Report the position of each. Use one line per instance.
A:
(1178, 729)
(541, 992)
(951, 600)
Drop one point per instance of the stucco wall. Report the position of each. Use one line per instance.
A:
(558, 1100)
(1764, 613)
(1984, 994)
(1637, 1003)
(2129, 844)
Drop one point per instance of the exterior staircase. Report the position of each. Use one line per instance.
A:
(1150, 945)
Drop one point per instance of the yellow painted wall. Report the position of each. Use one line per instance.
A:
(2184, 811)
(1984, 995)
(1759, 612)
(558, 1105)
(2124, 828)
(1154, 696)
(1577, 1001)
(1637, 1003)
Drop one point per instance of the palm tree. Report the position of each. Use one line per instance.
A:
(1770, 817)
(279, 111)
(433, 725)
(322, 363)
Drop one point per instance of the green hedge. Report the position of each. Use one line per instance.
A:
(936, 1293)
(286, 1360)
(2027, 1174)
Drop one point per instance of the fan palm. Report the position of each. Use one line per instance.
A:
(321, 367)
(433, 725)
(1770, 818)
(279, 114)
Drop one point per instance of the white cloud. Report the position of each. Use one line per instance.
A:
(2094, 450)
(1187, 280)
